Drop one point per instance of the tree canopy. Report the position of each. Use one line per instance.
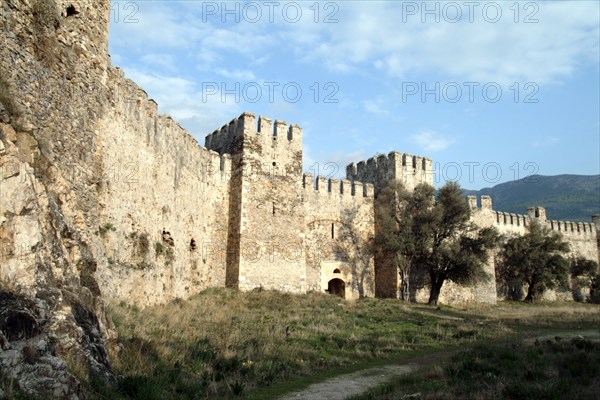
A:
(536, 259)
(432, 236)
(587, 271)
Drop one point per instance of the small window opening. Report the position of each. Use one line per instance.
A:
(192, 245)
(333, 231)
(274, 163)
(71, 11)
(336, 271)
(273, 208)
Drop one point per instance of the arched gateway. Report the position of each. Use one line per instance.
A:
(337, 287)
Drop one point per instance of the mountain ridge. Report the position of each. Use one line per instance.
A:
(565, 197)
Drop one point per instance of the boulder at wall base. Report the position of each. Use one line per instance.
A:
(45, 340)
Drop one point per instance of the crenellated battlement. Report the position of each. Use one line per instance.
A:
(132, 102)
(383, 168)
(227, 138)
(572, 228)
(567, 228)
(162, 131)
(342, 187)
(505, 218)
(485, 201)
(219, 163)
(520, 221)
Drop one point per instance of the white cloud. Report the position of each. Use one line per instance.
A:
(564, 37)
(159, 26)
(545, 141)
(156, 60)
(376, 106)
(178, 29)
(237, 74)
(183, 100)
(431, 141)
(330, 164)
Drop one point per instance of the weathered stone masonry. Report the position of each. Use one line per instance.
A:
(286, 230)
(104, 199)
(163, 217)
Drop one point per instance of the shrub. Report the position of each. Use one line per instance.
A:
(159, 248)
(143, 244)
(104, 229)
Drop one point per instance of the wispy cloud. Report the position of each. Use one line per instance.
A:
(545, 141)
(431, 141)
(375, 106)
(563, 38)
(241, 75)
(183, 100)
(330, 164)
(160, 60)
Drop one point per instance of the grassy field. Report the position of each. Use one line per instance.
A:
(226, 344)
(549, 369)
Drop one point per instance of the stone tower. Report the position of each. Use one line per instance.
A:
(411, 171)
(408, 169)
(266, 216)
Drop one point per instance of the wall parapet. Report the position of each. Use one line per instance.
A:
(502, 218)
(133, 103)
(506, 218)
(383, 168)
(485, 201)
(342, 187)
(571, 228)
(223, 140)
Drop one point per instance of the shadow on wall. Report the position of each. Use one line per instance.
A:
(515, 291)
(356, 251)
(419, 279)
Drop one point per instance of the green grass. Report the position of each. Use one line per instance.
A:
(549, 369)
(227, 344)
(104, 229)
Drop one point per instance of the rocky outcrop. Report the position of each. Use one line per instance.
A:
(54, 329)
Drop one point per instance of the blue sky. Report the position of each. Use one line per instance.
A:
(490, 91)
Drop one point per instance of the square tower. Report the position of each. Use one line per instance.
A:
(266, 227)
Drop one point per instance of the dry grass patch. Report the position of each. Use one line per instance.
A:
(223, 343)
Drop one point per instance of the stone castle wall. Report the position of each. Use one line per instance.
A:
(165, 199)
(163, 217)
(267, 238)
(581, 236)
(104, 199)
(408, 169)
(340, 226)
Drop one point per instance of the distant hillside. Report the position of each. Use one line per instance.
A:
(565, 197)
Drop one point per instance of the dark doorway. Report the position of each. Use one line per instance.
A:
(337, 287)
(71, 11)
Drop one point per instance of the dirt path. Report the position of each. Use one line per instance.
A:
(344, 386)
(348, 385)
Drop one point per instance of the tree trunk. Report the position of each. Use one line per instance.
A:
(436, 288)
(404, 285)
(530, 295)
